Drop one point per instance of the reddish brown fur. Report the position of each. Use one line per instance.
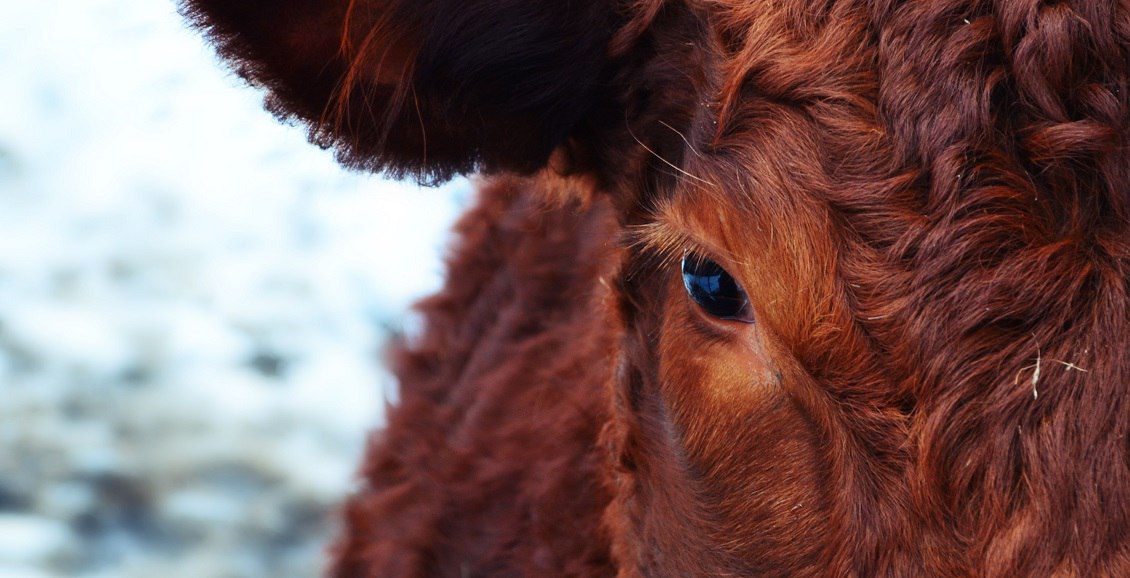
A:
(927, 202)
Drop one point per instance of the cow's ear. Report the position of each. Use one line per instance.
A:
(422, 88)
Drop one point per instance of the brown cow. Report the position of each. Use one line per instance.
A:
(754, 288)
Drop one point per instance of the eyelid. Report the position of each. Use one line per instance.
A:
(695, 250)
(672, 241)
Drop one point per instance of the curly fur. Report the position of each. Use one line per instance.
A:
(928, 204)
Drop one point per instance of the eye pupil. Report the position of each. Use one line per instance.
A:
(715, 290)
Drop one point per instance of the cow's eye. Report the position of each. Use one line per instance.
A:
(715, 290)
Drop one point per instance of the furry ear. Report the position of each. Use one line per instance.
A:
(422, 88)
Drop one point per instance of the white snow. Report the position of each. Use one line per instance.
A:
(29, 538)
(193, 301)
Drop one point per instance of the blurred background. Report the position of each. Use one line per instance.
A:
(193, 302)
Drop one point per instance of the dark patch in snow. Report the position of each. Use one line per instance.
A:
(12, 499)
(269, 364)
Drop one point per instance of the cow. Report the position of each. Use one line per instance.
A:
(752, 287)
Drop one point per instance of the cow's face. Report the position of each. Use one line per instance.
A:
(871, 232)
(853, 232)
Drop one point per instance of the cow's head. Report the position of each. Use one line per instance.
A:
(874, 287)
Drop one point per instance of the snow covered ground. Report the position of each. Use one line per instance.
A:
(193, 302)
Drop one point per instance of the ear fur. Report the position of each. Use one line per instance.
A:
(422, 88)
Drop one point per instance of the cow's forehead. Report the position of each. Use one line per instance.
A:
(774, 110)
(897, 116)
(783, 122)
(919, 141)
